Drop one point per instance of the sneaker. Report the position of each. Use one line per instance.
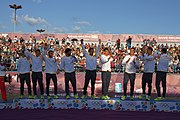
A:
(42, 96)
(103, 97)
(158, 99)
(123, 97)
(21, 97)
(132, 98)
(93, 97)
(48, 97)
(56, 97)
(142, 96)
(148, 98)
(83, 97)
(76, 96)
(162, 98)
(107, 97)
(30, 97)
(34, 97)
(67, 97)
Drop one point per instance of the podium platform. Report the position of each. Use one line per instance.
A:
(97, 104)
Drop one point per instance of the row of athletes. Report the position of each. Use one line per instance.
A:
(52, 68)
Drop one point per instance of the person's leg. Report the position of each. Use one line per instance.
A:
(103, 77)
(93, 81)
(144, 83)
(48, 78)
(67, 83)
(125, 82)
(164, 84)
(28, 82)
(54, 78)
(132, 82)
(21, 84)
(158, 79)
(34, 81)
(2, 88)
(149, 81)
(40, 82)
(73, 82)
(87, 79)
(108, 78)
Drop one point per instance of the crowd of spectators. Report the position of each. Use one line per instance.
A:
(10, 48)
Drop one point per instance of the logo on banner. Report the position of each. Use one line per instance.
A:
(131, 104)
(164, 105)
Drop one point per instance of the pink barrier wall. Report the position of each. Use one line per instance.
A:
(104, 37)
(173, 83)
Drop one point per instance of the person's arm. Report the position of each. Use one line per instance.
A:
(141, 58)
(46, 48)
(104, 59)
(137, 63)
(125, 61)
(57, 68)
(98, 48)
(74, 59)
(148, 58)
(84, 50)
(58, 65)
(28, 54)
(44, 55)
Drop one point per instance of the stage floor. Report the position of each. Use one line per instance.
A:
(97, 104)
(84, 115)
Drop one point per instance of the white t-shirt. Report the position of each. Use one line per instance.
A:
(106, 64)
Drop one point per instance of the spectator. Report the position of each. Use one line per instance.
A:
(128, 42)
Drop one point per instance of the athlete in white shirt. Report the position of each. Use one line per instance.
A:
(131, 63)
(67, 63)
(106, 60)
(36, 71)
(24, 74)
(91, 65)
(149, 66)
(162, 69)
(51, 69)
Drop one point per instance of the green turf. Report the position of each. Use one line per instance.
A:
(10, 97)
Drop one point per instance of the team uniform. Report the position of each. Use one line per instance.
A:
(162, 69)
(24, 74)
(149, 66)
(67, 63)
(91, 65)
(37, 75)
(106, 74)
(51, 67)
(129, 74)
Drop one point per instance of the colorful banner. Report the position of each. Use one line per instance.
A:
(88, 104)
